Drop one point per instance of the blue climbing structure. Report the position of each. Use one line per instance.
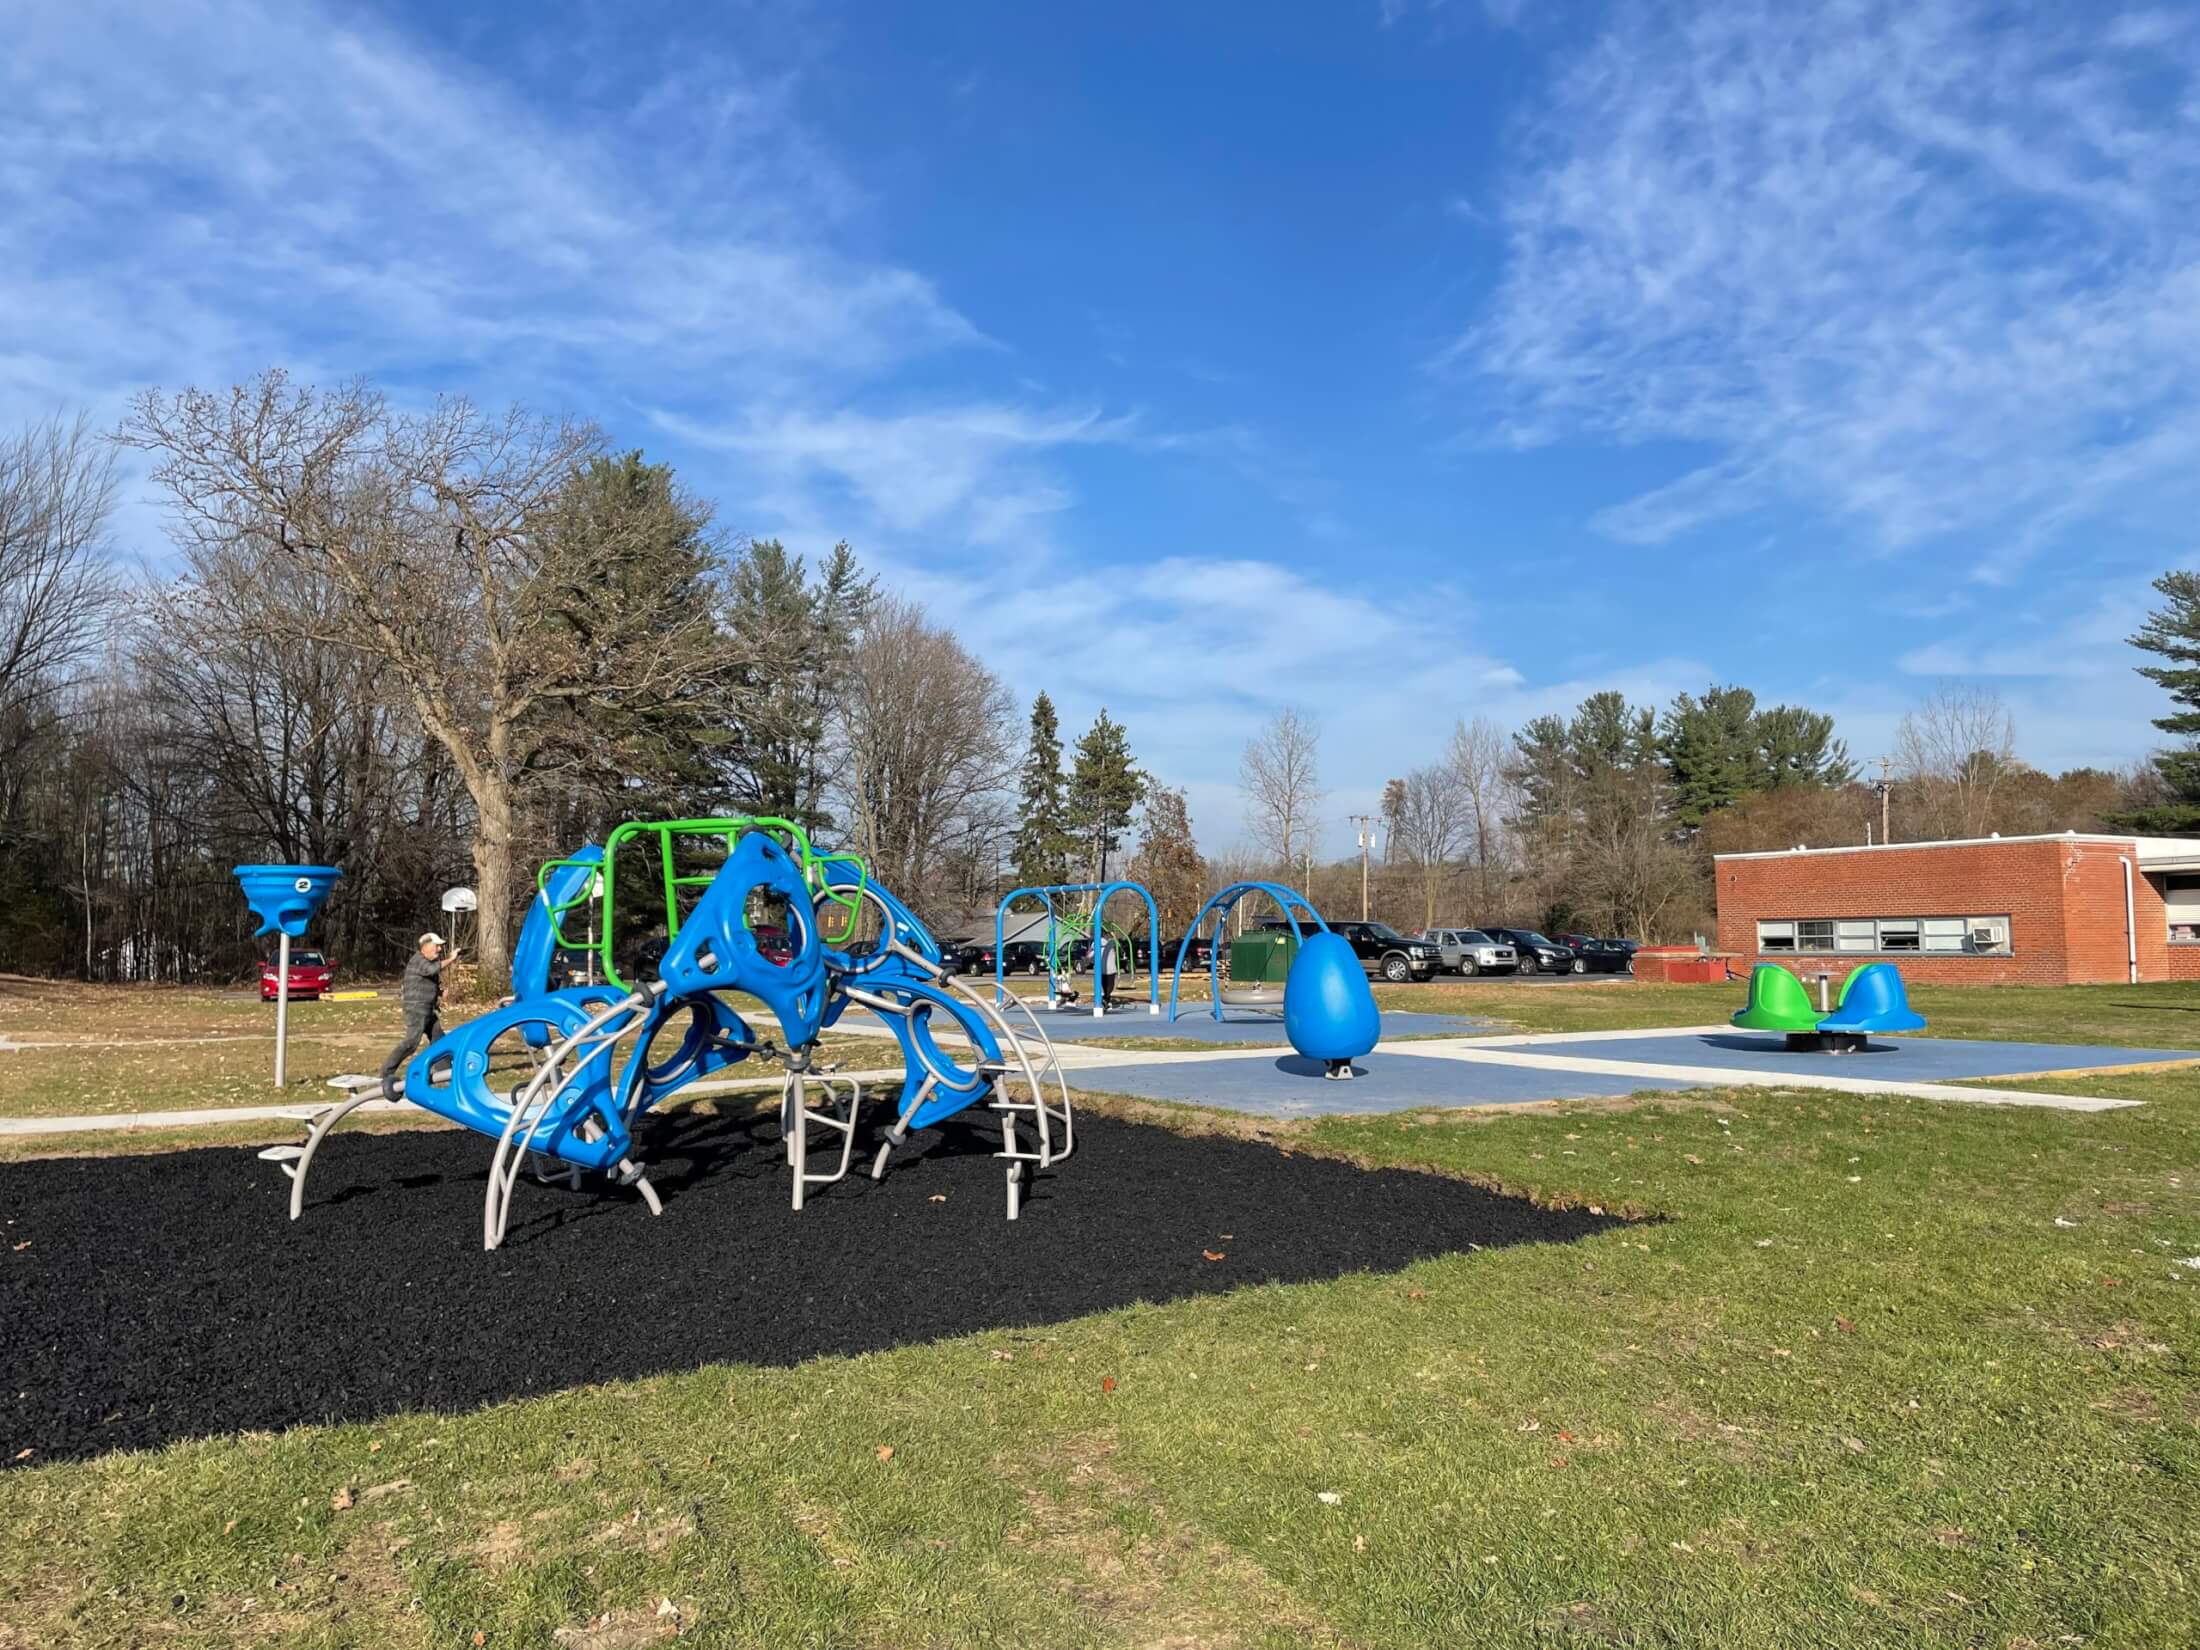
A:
(559, 1076)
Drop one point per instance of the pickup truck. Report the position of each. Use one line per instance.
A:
(1383, 950)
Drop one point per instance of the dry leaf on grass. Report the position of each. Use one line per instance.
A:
(885, 1452)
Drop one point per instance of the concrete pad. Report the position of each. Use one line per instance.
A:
(1290, 1085)
(1887, 1059)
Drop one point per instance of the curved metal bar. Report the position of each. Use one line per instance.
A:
(1047, 1154)
(1221, 902)
(321, 1126)
(505, 1167)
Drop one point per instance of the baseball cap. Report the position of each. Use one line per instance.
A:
(432, 939)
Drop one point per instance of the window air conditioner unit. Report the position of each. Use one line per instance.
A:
(1984, 937)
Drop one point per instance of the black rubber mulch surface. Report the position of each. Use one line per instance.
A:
(145, 1299)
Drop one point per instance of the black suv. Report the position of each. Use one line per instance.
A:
(1024, 957)
(1537, 953)
(1383, 950)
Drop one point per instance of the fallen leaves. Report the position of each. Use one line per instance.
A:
(343, 1500)
(1328, 1498)
(1215, 1254)
(1107, 1385)
(885, 1452)
(937, 1197)
(1855, 1446)
(1844, 1325)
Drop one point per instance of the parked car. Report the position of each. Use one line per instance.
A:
(1628, 946)
(1468, 951)
(959, 954)
(1383, 950)
(310, 976)
(1195, 954)
(772, 943)
(1024, 957)
(1602, 957)
(1538, 953)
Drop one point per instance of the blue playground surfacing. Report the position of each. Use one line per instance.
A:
(1899, 1059)
(1236, 1025)
(1292, 1086)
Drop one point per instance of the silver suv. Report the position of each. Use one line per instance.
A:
(1468, 951)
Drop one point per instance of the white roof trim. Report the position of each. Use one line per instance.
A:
(2148, 850)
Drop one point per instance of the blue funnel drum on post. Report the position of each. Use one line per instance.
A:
(285, 897)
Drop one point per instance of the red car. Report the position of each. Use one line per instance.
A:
(310, 975)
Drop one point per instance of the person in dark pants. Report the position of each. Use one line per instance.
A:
(421, 994)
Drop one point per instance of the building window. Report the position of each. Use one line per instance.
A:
(2182, 895)
(1907, 936)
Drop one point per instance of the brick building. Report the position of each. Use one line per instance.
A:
(2025, 910)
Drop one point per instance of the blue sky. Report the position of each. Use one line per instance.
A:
(1401, 361)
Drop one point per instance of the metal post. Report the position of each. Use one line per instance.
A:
(282, 1003)
(1364, 821)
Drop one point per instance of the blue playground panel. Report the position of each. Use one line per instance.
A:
(1291, 1085)
(1237, 1026)
(1900, 1059)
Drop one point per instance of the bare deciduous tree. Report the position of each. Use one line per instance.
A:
(1480, 760)
(1281, 778)
(1954, 752)
(1430, 825)
(925, 730)
(56, 493)
(437, 533)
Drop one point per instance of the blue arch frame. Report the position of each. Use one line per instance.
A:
(1220, 903)
(1103, 892)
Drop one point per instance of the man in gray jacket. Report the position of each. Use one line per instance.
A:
(421, 994)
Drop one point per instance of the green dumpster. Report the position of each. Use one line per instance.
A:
(1262, 958)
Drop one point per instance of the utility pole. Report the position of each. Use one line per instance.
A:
(1886, 789)
(1364, 821)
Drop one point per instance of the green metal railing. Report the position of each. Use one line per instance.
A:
(668, 832)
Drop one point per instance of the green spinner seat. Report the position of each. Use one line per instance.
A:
(1778, 1001)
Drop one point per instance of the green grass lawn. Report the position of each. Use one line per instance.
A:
(1858, 1384)
(1868, 1372)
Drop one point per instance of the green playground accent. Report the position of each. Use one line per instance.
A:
(1069, 930)
(1778, 1001)
(667, 832)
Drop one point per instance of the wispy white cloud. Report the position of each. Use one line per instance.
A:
(1919, 264)
(194, 189)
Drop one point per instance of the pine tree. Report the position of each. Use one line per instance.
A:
(795, 634)
(1041, 847)
(1105, 788)
(2172, 633)
(1710, 751)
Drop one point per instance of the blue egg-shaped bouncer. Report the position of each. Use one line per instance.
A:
(1328, 1011)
